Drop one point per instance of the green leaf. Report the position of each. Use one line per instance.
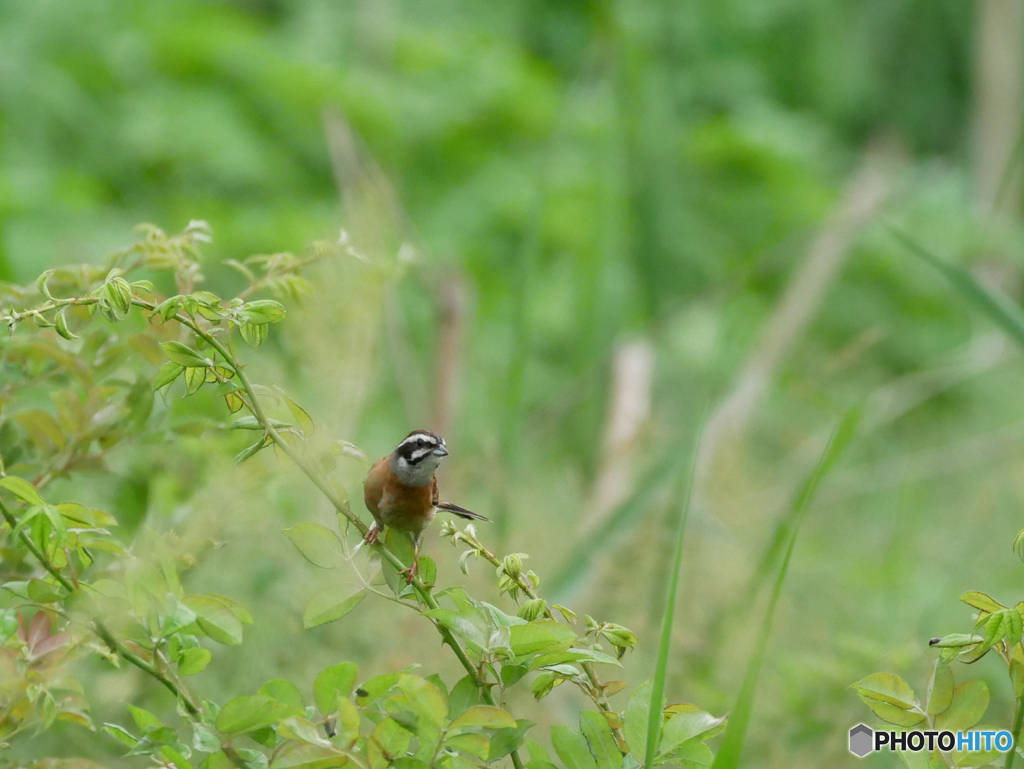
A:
(981, 601)
(194, 661)
(43, 592)
(306, 756)
(244, 714)
(543, 635)
(204, 740)
(1017, 677)
(121, 734)
(957, 641)
(302, 419)
(476, 745)
(175, 758)
(572, 748)
(387, 740)
(285, 692)
(167, 374)
(599, 737)
(183, 355)
(195, 378)
(144, 719)
(332, 683)
(1018, 544)
(887, 688)
(637, 718)
(318, 545)
(940, 688)
(484, 715)
(327, 606)
(539, 758)
(61, 322)
(892, 714)
(970, 701)
(22, 489)
(264, 311)
(504, 741)
(685, 726)
(464, 695)
(216, 620)
(253, 334)
(251, 451)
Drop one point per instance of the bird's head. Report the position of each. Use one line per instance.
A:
(417, 457)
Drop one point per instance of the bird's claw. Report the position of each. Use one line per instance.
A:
(371, 535)
(409, 573)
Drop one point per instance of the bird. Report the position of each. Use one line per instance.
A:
(400, 491)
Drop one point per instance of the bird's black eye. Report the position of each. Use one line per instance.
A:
(420, 442)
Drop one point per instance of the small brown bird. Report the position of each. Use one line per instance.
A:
(401, 490)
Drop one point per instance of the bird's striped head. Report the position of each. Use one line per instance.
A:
(417, 457)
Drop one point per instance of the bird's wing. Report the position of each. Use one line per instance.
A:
(373, 486)
(433, 492)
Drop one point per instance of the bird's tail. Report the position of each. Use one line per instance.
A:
(461, 511)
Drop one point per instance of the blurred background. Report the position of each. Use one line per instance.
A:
(585, 225)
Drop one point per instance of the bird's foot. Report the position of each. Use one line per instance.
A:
(372, 534)
(410, 572)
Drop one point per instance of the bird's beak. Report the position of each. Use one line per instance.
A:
(440, 451)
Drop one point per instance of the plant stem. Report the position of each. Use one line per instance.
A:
(101, 630)
(1016, 732)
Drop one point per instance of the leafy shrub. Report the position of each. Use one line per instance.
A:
(75, 589)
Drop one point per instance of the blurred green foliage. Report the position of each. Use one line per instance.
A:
(578, 173)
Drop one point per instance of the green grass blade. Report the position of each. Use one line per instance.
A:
(999, 309)
(732, 743)
(661, 668)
